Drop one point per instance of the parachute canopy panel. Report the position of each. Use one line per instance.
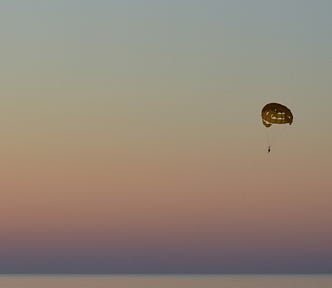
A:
(275, 113)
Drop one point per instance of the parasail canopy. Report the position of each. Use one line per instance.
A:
(275, 113)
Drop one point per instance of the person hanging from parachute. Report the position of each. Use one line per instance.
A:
(275, 113)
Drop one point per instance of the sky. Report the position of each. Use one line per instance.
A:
(131, 137)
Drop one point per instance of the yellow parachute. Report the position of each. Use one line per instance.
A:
(275, 113)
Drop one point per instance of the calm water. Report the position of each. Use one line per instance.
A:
(197, 281)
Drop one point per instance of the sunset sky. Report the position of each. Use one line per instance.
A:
(131, 138)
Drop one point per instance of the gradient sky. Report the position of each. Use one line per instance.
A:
(131, 139)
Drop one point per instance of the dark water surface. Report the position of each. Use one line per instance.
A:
(169, 281)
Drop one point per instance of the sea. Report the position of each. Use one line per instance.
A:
(166, 281)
